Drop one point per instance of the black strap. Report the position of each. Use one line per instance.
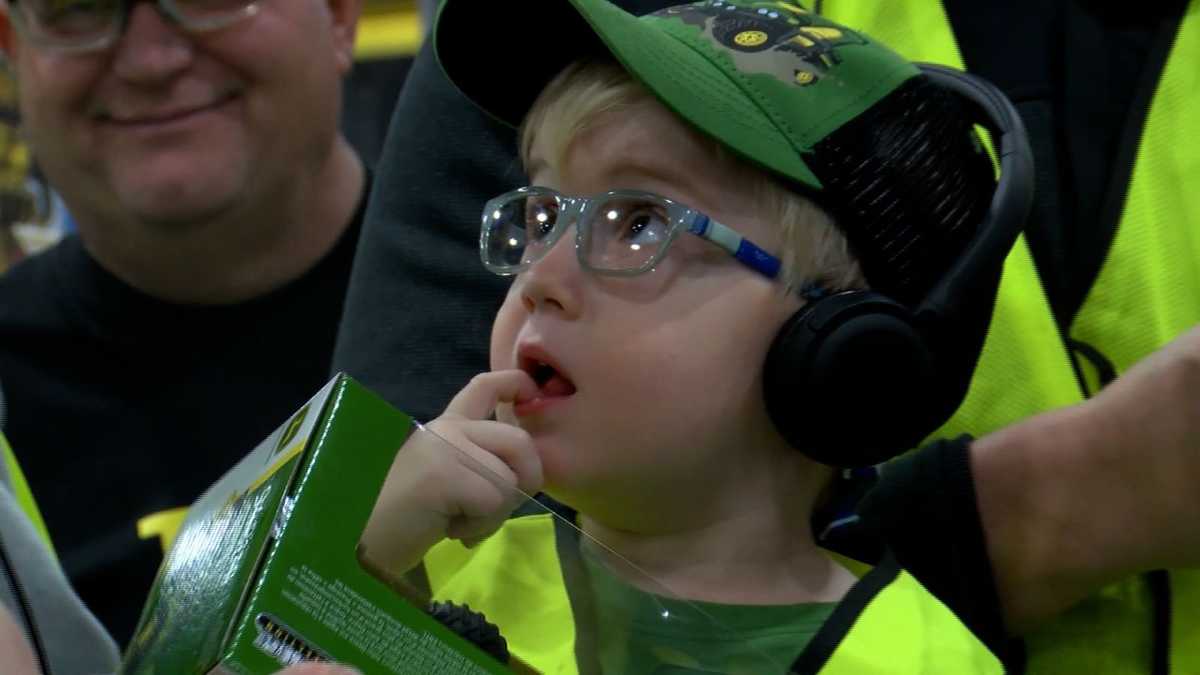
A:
(1159, 582)
(1105, 370)
(831, 634)
(579, 592)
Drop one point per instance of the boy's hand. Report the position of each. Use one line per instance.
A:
(460, 477)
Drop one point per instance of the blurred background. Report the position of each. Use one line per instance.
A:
(33, 218)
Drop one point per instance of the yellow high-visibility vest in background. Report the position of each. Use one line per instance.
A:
(1147, 293)
(389, 29)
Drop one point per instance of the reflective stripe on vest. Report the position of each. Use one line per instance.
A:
(1147, 293)
(888, 623)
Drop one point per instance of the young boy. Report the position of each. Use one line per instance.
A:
(688, 199)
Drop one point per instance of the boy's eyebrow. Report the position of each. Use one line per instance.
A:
(631, 166)
(657, 171)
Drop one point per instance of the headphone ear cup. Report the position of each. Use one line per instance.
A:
(845, 380)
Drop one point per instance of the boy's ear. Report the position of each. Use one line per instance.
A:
(344, 16)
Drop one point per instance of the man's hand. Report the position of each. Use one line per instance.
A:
(460, 477)
(1081, 497)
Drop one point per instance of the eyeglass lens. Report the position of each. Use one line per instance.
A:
(622, 232)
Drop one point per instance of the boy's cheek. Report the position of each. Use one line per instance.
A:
(505, 328)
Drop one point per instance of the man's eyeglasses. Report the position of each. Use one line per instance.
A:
(77, 26)
(623, 232)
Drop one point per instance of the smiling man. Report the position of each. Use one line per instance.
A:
(196, 144)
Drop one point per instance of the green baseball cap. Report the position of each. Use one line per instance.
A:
(769, 80)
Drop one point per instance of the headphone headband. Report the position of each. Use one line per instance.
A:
(856, 378)
(1010, 203)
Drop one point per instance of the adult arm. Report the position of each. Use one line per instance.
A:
(1015, 527)
(1078, 498)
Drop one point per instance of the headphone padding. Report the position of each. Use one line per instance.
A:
(844, 377)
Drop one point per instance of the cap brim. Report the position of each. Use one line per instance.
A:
(502, 55)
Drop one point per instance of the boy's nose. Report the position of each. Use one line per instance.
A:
(553, 282)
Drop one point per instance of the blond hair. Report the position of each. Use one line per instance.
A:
(813, 247)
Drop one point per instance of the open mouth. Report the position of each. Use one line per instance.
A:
(550, 381)
(554, 385)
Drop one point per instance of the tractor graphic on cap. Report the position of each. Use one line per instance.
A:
(755, 33)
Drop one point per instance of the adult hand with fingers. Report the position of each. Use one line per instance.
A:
(458, 477)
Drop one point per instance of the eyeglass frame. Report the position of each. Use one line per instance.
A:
(581, 210)
(167, 8)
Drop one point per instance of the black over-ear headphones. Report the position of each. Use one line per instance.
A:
(855, 378)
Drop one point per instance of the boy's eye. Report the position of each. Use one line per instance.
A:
(540, 216)
(636, 224)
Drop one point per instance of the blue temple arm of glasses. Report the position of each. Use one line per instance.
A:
(738, 246)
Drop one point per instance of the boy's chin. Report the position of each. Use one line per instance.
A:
(587, 494)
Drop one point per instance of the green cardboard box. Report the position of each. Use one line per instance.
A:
(264, 572)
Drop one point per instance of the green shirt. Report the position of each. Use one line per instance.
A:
(642, 633)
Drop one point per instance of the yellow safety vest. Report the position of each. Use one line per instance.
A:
(1147, 293)
(887, 624)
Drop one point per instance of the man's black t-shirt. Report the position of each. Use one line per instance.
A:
(121, 406)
